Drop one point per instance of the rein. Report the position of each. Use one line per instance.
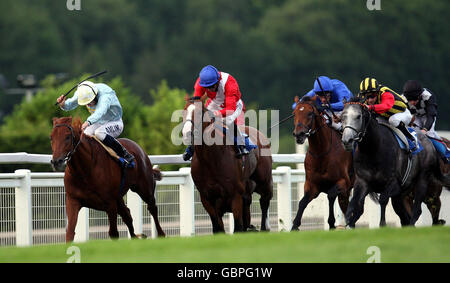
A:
(312, 132)
(74, 146)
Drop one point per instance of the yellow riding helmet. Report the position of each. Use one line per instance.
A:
(86, 92)
(369, 85)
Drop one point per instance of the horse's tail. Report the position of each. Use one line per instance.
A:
(442, 175)
(374, 196)
(157, 176)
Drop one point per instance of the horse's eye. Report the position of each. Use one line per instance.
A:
(67, 138)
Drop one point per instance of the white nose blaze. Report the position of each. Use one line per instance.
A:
(351, 120)
(187, 128)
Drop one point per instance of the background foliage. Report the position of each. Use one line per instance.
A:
(275, 49)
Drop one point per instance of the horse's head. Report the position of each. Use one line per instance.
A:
(355, 119)
(305, 115)
(65, 138)
(194, 119)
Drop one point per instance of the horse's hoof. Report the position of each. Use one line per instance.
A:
(440, 222)
(252, 228)
(141, 236)
(294, 228)
(340, 227)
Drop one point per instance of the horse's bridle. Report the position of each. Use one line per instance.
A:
(211, 116)
(312, 132)
(74, 146)
(360, 134)
(310, 128)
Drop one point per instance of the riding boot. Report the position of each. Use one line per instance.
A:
(240, 143)
(118, 148)
(187, 155)
(408, 135)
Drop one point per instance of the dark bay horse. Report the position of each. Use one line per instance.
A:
(380, 165)
(432, 198)
(226, 183)
(92, 178)
(328, 166)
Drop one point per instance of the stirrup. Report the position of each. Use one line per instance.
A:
(241, 150)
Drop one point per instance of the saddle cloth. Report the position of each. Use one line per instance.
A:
(114, 155)
(403, 141)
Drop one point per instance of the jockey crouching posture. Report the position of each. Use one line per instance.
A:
(423, 106)
(225, 101)
(105, 121)
(330, 94)
(388, 104)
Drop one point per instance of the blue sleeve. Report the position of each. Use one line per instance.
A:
(70, 103)
(339, 93)
(294, 105)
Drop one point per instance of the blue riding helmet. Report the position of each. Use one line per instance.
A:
(209, 76)
(326, 83)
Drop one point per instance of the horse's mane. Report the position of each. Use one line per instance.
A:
(306, 99)
(356, 99)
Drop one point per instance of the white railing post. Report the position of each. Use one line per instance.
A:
(187, 217)
(24, 227)
(231, 223)
(82, 228)
(284, 199)
(373, 211)
(134, 203)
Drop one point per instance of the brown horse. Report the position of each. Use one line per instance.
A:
(92, 177)
(328, 166)
(226, 183)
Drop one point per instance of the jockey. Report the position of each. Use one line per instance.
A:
(330, 94)
(388, 104)
(224, 100)
(424, 108)
(105, 121)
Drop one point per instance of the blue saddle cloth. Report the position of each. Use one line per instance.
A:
(410, 143)
(441, 148)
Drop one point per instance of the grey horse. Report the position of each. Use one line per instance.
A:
(381, 166)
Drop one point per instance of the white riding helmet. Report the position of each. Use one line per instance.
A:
(86, 92)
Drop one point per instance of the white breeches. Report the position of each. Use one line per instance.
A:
(404, 117)
(113, 128)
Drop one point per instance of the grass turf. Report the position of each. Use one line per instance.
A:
(430, 244)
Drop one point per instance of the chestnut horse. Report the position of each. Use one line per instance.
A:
(92, 177)
(328, 167)
(226, 183)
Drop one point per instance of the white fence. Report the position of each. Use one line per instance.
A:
(32, 205)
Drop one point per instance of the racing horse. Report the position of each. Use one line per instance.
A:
(226, 183)
(328, 167)
(381, 166)
(432, 199)
(93, 178)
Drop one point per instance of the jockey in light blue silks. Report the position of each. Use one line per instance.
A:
(331, 93)
(105, 121)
